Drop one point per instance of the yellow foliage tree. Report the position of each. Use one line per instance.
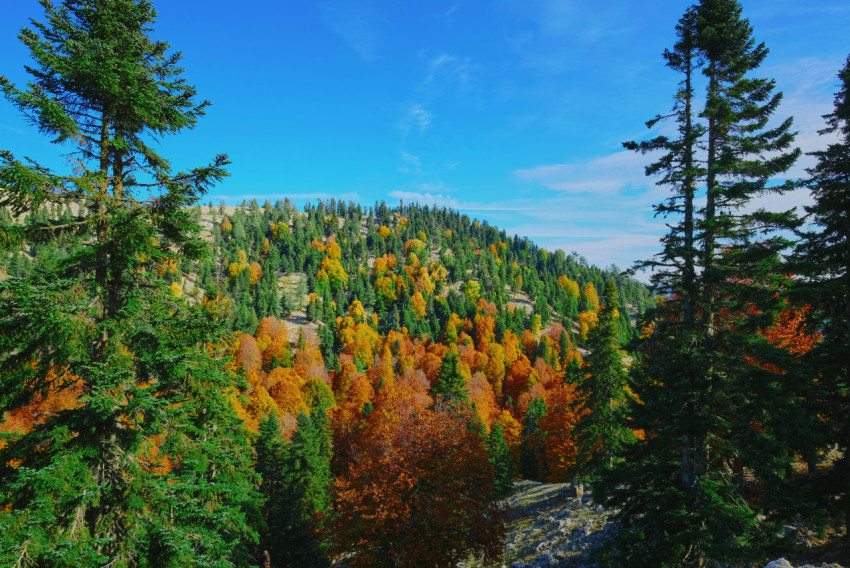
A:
(357, 311)
(587, 321)
(255, 272)
(591, 296)
(280, 230)
(536, 324)
(415, 246)
(472, 290)
(332, 249)
(332, 270)
(418, 304)
(569, 286)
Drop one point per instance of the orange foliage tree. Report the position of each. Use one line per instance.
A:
(416, 493)
(559, 442)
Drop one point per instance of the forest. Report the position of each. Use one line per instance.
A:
(184, 383)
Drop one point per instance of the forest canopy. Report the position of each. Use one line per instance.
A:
(195, 384)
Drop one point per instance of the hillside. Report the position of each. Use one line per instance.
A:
(185, 385)
(373, 330)
(274, 261)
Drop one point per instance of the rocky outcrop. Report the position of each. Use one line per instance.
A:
(551, 525)
(782, 563)
(557, 525)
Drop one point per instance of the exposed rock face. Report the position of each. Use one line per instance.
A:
(556, 525)
(782, 563)
(551, 525)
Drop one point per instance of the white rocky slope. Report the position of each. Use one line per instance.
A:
(550, 525)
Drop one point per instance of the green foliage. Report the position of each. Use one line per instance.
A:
(499, 455)
(271, 467)
(603, 432)
(822, 257)
(531, 462)
(305, 495)
(91, 483)
(450, 388)
(318, 395)
(703, 378)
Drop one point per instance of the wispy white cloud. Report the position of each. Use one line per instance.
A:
(604, 175)
(427, 194)
(356, 24)
(417, 118)
(808, 85)
(562, 31)
(622, 250)
(444, 70)
(612, 227)
(436, 200)
(444, 74)
(410, 164)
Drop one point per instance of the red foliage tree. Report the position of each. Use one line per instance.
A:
(416, 493)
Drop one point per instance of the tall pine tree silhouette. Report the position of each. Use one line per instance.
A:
(151, 466)
(823, 257)
(698, 391)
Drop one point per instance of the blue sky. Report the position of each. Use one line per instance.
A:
(511, 111)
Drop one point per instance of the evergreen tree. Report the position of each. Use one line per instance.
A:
(823, 257)
(531, 462)
(573, 373)
(85, 487)
(674, 269)
(271, 463)
(307, 479)
(500, 458)
(450, 388)
(286, 307)
(679, 491)
(602, 432)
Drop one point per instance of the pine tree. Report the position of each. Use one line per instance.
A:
(286, 307)
(674, 269)
(680, 489)
(450, 388)
(271, 463)
(307, 479)
(824, 257)
(499, 455)
(603, 432)
(531, 462)
(150, 467)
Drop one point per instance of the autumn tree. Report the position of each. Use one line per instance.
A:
(559, 441)
(416, 493)
(151, 469)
